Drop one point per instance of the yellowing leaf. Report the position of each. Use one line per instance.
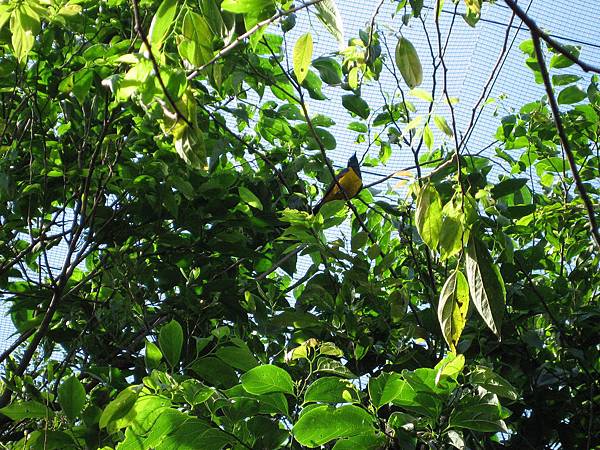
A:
(453, 307)
(453, 229)
(443, 126)
(408, 63)
(428, 216)
(474, 6)
(302, 56)
(422, 94)
(428, 137)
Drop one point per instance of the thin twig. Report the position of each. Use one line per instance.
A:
(16, 344)
(144, 37)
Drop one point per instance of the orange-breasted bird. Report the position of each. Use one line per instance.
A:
(349, 179)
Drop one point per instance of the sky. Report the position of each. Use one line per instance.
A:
(472, 54)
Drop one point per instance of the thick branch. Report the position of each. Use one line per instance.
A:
(563, 136)
(535, 30)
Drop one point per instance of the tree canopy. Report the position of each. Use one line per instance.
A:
(159, 161)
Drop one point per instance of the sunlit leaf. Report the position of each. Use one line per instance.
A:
(408, 63)
(302, 56)
(453, 307)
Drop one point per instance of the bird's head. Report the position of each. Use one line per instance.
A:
(353, 164)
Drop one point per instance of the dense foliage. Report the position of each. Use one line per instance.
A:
(158, 163)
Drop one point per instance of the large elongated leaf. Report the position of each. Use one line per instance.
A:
(161, 23)
(328, 13)
(170, 339)
(428, 216)
(24, 27)
(485, 285)
(26, 410)
(71, 396)
(453, 307)
(266, 379)
(323, 424)
(407, 61)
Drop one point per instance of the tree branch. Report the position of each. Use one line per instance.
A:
(533, 27)
(535, 34)
(142, 35)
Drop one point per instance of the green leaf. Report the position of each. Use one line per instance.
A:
(492, 382)
(24, 27)
(570, 95)
(119, 406)
(407, 61)
(215, 371)
(334, 367)
(161, 24)
(451, 366)
(329, 15)
(442, 124)
(267, 378)
(385, 388)
(5, 13)
(453, 230)
(196, 434)
(170, 339)
(331, 390)
(71, 397)
(246, 6)
(356, 105)
(508, 186)
(329, 69)
(479, 414)
(249, 198)
(417, 6)
(302, 56)
(367, 441)
(428, 216)
(239, 357)
(564, 79)
(323, 424)
(195, 392)
(421, 94)
(358, 127)
(26, 410)
(559, 61)
(196, 46)
(453, 307)
(152, 355)
(485, 285)
(428, 137)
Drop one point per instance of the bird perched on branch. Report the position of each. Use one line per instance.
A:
(349, 179)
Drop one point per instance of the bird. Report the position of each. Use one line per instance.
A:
(349, 179)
